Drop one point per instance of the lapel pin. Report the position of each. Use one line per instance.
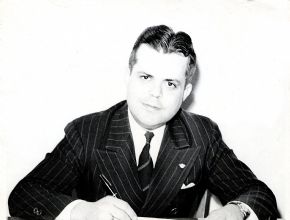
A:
(181, 165)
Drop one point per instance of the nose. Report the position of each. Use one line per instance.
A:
(156, 90)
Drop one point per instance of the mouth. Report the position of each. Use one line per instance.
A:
(151, 107)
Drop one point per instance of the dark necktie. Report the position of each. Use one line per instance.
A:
(145, 166)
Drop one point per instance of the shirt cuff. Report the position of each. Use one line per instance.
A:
(65, 214)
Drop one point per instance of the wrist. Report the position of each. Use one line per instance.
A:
(243, 209)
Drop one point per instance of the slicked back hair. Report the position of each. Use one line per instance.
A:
(164, 38)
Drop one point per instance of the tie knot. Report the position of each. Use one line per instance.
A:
(148, 136)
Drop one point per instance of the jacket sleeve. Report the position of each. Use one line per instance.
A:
(48, 188)
(230, 179)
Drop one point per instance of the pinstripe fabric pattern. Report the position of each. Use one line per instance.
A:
(102, 143)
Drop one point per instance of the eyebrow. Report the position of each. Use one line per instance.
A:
(144, 73)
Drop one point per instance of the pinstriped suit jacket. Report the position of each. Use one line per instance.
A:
(192, 151)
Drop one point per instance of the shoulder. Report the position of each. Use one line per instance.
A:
(199, 121)
(94, 121)
(199, 129)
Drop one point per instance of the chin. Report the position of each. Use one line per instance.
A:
(151, 125)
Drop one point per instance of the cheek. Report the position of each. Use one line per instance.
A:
(132, 90)
(173, 99)
(136, 88)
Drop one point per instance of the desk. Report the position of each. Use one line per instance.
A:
(139, 218)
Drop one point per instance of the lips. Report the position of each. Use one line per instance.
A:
(151, 107)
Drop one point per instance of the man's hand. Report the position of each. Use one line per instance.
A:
(107, 208)
(228, 212)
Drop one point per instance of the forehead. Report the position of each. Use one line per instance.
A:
(153, 61)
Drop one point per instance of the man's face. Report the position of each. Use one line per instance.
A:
(156, 86)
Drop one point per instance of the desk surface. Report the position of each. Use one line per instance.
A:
(139, 218)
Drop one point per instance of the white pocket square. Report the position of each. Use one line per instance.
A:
(187, 186)
(182, 165)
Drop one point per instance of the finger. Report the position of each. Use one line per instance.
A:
(114, 213)
(119, 214)
(123, 206)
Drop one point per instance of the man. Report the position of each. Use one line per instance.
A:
(102, 154)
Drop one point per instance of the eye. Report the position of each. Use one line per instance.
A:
(170, 84)
(145, 76)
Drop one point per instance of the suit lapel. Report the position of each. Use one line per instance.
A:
(175, 160)
(116, 160)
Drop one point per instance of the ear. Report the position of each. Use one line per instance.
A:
(187, 91)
